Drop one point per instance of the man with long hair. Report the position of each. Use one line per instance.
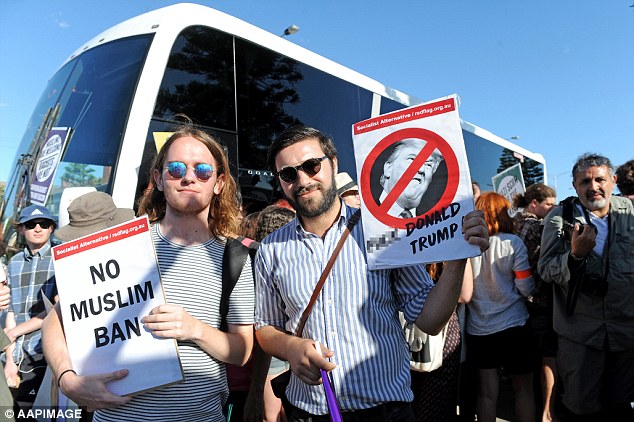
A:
(193, 206)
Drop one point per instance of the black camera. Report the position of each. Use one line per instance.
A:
(594, 285)
(568, 228)
(583, 226)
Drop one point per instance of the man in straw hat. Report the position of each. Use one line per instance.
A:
(348, 189)
(192, 205)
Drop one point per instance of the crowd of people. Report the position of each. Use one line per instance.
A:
(549, 303)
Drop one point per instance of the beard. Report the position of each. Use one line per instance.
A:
(596, 204)
(313, 207)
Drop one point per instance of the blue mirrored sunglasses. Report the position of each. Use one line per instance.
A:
(178, 170)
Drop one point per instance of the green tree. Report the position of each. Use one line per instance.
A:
(531, 169)
(77, 174)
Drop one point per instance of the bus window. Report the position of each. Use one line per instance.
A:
(94, 92)
(198, 80)
(275, 92)
(486, 159)
(388, 105)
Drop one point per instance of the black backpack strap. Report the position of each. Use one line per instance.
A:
(576, 268)
(233, 259)
(252, 245)
(567, 214)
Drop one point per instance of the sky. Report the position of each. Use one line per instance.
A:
(557, 74)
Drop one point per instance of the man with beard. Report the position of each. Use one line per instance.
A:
(594, 254)
(355, 317)
(193, 206)
(410, 202)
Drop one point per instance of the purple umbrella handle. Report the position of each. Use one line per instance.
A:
(331, 399)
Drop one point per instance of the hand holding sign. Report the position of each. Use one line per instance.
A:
(331, 398)
(306, 362)
(475, 230)
(172, 321)
(91, 391)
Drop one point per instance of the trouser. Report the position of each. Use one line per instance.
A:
(393, 411)
(594, 380)
(31, 370)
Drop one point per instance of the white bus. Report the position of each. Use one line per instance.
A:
(119, 94)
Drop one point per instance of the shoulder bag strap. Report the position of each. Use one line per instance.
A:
(324, 275)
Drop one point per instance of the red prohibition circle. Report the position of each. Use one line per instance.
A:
(437, 141)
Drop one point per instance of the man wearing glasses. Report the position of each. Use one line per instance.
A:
(355, 316)
(30, 275)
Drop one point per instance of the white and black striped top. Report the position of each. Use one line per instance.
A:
(191, 277)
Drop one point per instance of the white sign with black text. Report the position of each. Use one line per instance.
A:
(107, 282)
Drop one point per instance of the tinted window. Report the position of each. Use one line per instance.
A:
(198, 80)
(275, 92)
(93, 94)
(486, 159)
(388, 105)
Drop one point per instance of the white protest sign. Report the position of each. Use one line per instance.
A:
(415, 185)
(509, 183)
(107, 282)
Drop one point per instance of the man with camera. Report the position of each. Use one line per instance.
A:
(587, 251)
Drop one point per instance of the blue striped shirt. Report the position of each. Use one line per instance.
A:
(356, 314)
(30, 276)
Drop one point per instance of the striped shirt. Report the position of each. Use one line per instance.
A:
(356, 314)
(30, 276)
(192, 278)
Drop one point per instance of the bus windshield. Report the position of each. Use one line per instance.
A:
(94, 93)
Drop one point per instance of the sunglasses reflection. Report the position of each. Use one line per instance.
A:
(178, 170)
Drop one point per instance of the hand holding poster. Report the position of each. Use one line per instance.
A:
(107, 282)
(415, 185)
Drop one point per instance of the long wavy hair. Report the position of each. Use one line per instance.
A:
(224, 208)
(496, 212)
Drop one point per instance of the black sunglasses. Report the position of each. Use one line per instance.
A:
(311, 167)
(45, 224)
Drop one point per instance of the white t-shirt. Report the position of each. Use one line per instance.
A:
(501, 280)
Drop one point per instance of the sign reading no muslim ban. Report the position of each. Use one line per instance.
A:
(46, 165)
(415, 185)
(107, 282)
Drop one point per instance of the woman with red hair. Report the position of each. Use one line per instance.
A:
(497, 336)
